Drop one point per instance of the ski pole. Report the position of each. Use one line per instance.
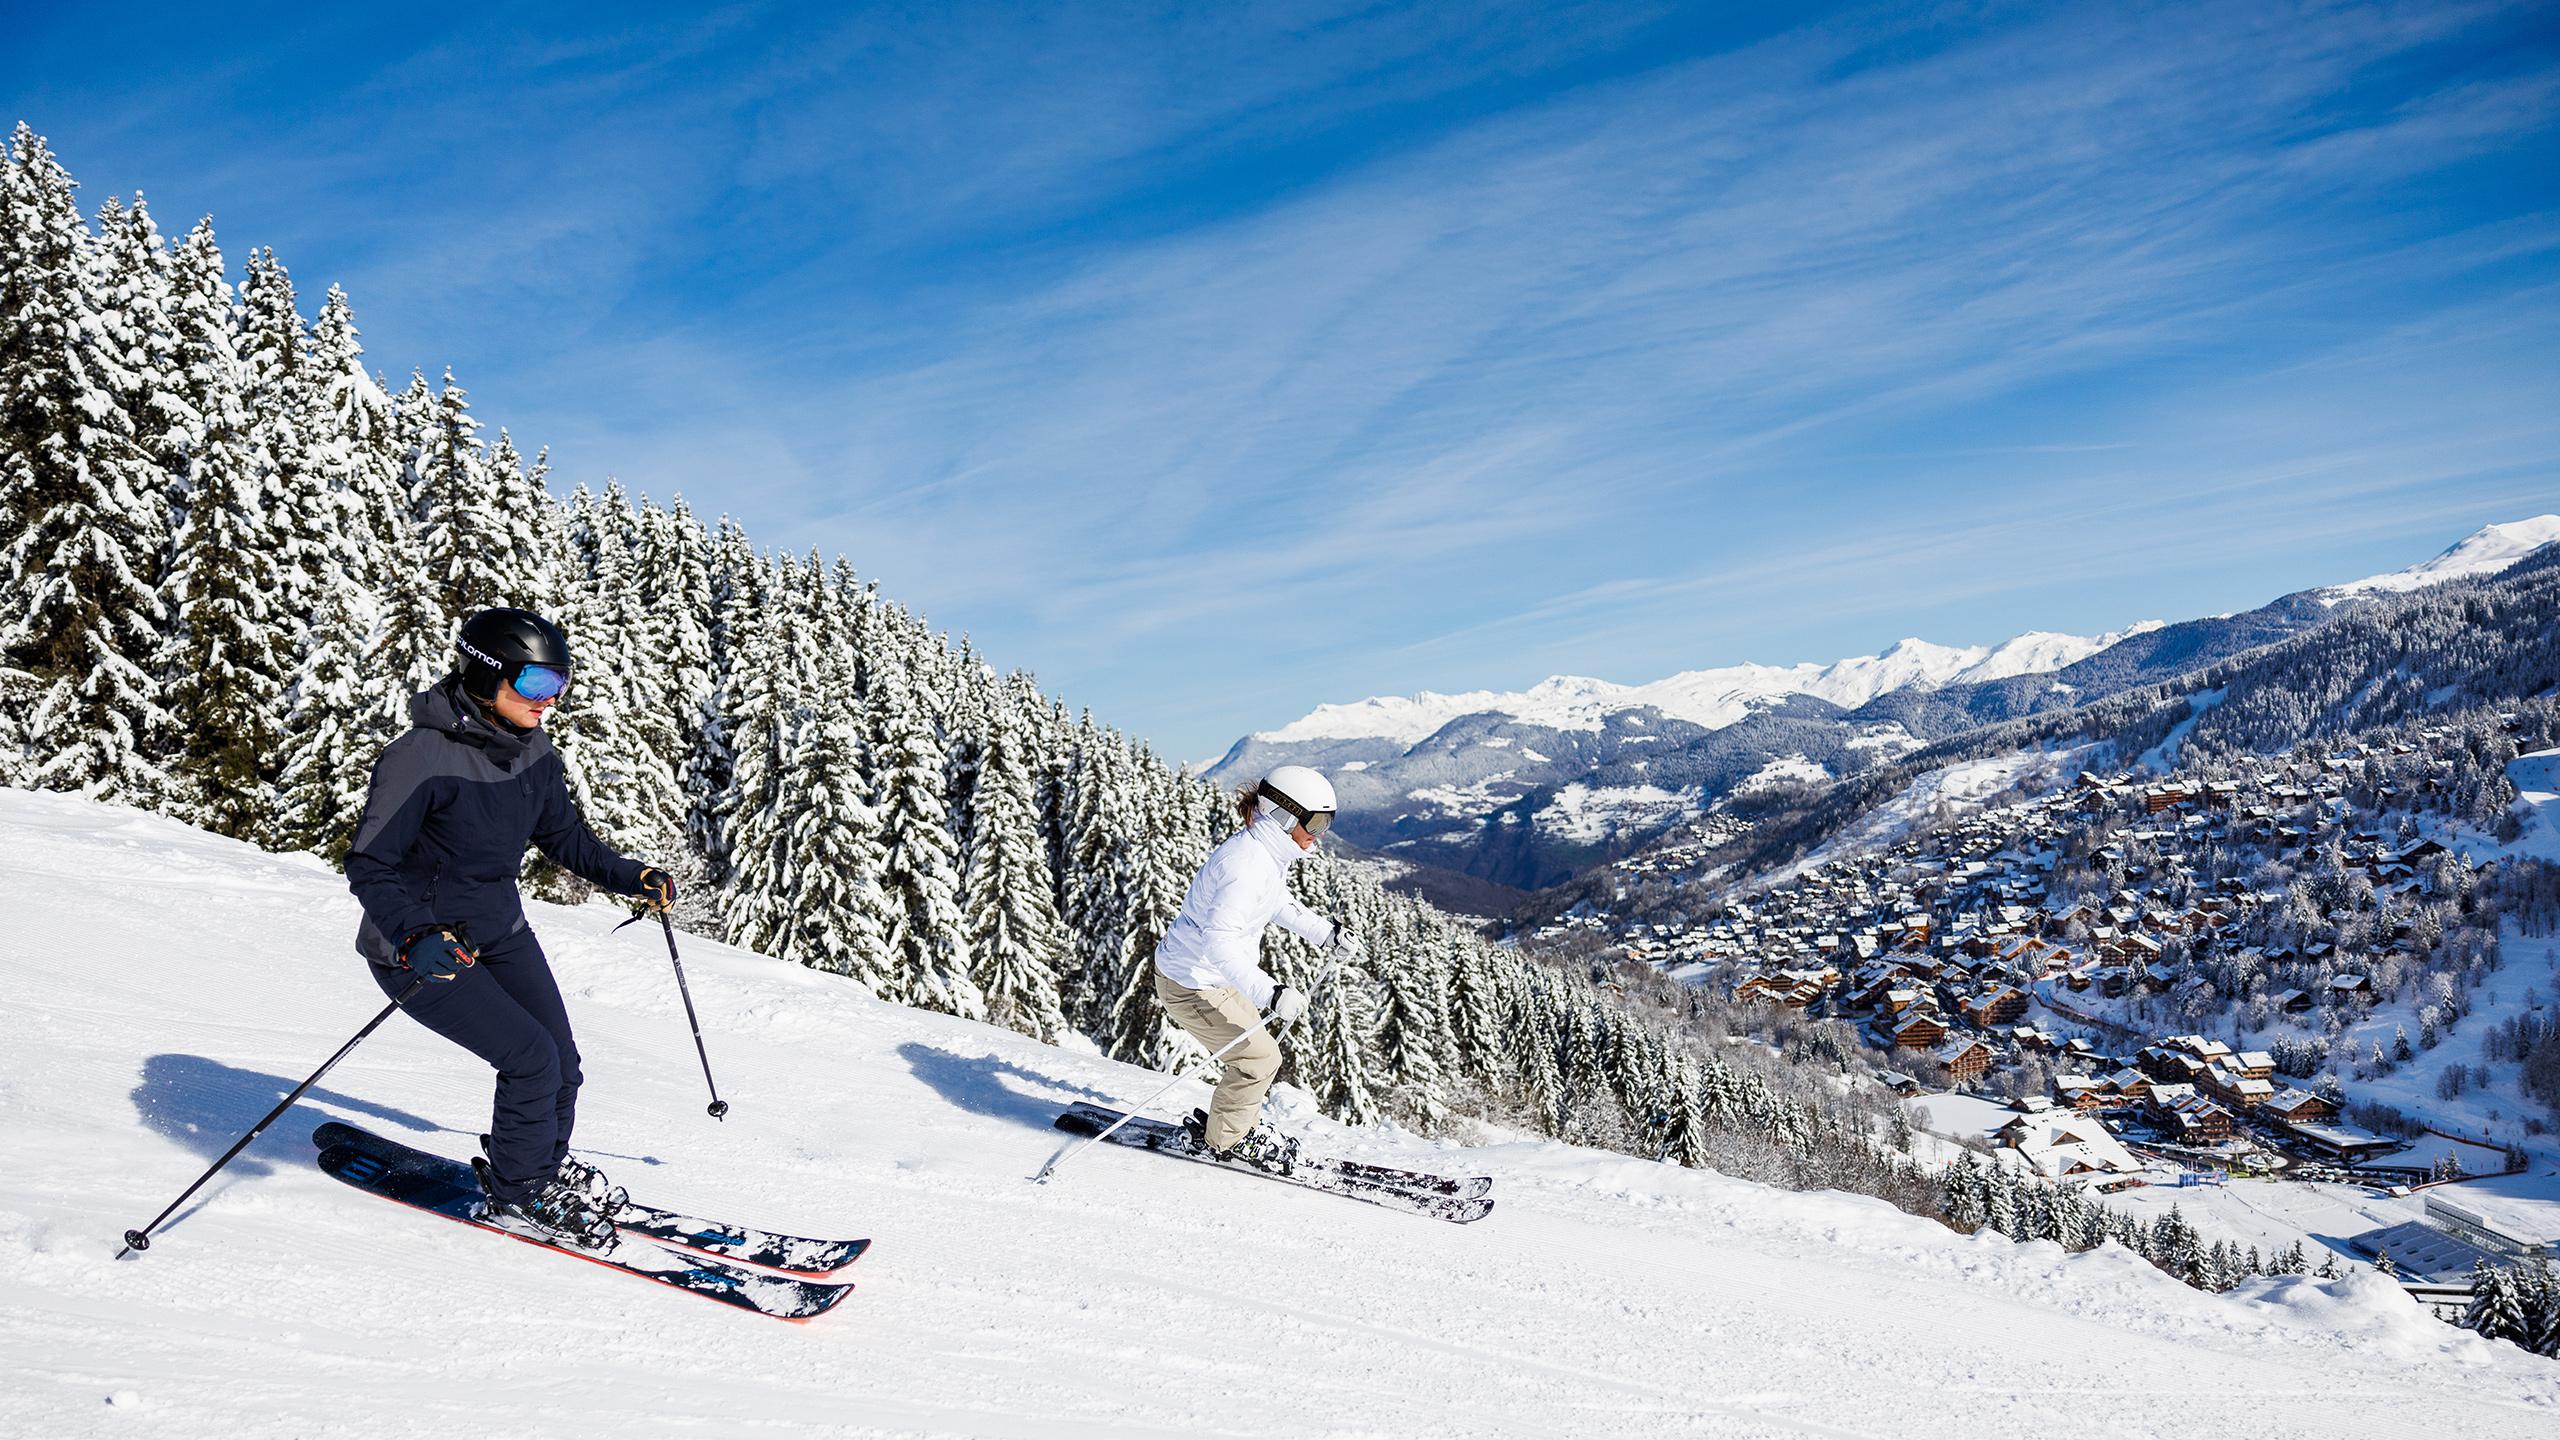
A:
(135, 1240)
(1072, 1151)
(719, 1108)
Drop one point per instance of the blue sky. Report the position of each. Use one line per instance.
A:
(1216, 362)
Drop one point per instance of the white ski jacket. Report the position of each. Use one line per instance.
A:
(1217, 939)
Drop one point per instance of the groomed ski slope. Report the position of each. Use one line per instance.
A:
(163, 988)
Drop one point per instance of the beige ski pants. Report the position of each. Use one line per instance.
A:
(1214, 1017)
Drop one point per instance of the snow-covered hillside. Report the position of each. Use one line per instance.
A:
(165, 987)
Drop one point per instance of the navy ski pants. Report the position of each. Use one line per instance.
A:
(506, 1009)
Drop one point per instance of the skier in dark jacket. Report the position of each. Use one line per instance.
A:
(454, 803)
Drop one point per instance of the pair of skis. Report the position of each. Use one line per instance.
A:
(790, 1277)
(1440, 1197)
(785, 1276)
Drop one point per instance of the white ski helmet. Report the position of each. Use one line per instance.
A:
(1302, 794)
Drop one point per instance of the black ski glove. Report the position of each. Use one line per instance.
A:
(657, 889)
(435, 955)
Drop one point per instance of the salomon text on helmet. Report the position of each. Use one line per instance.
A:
(512, 647)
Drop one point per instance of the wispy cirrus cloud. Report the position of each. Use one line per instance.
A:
(1219, 362)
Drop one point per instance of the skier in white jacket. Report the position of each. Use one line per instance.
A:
(1209, 964)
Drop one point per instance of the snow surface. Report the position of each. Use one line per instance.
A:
(1587, 815)
(1965, 785)
(2160, 759)
(1711, 699)
(2485, 551)
(2537, 782)
(1786, 769)
(165, 987)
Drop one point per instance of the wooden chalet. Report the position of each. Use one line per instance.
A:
(2190, 1115)
(1964, 1059)
(2238, 1088)
(2085, 1093)
(1918, 1030)
(1996, 1006)
(2298, 1106)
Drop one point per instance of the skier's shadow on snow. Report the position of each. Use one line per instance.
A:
(976, 1083)
(204, 1105)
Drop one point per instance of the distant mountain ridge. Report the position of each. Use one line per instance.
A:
(1523, 789)
(1710, 699)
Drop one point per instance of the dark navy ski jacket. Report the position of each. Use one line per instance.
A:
(453, 805)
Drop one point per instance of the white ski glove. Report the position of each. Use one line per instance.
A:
(1287, 1004)
(1344, 947)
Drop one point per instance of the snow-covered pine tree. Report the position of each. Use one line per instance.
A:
(1014, 934)
(1096, 822)
(928, 936)
(524, 565)
(80, 518)
(2174, 1245)
(414, 644)
(736, 597)
(1333, 1055)
(1476, 1037)
(1964, 1193)
(1635, 1078)
(333, 732)
(675, 636)
(1413, 1013)
(459, 507)
(2539, 1300)
(771, 645)
(134, 283)
(1541, 1082)
(354, 449)
(222, 672)
(840, 918)
(1684, 1138)
(284, 414)
(964, 747)
(623, 740)
(1153, 866)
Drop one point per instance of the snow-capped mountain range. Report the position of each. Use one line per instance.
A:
(1522, 788)
(1711, 699)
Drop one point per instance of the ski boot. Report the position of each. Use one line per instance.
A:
(607, 1197)
(554, 1214)
(590, 1182)
(1262, 1147)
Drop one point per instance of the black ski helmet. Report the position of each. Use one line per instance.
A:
(497, 644)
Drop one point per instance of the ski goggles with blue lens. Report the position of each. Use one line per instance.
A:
(539, 682)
